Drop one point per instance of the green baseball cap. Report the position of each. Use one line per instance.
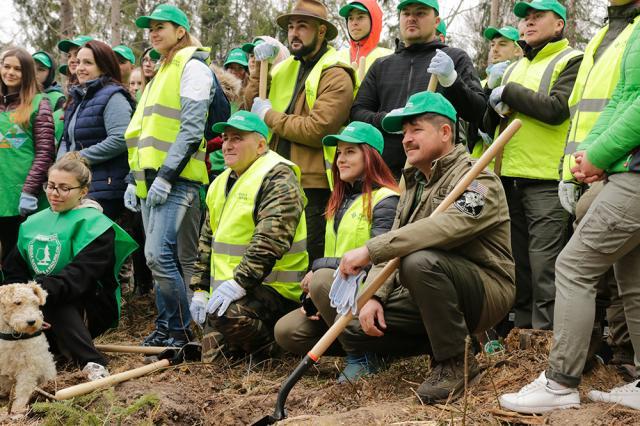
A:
(243, 120)
(430, 3)
(237, 56)
(357, 132)
(442, 28)
(507, 32)
(165, 12)
(63, 69)
(77, 41)
(43, 58)
(521, 8)
(125, 52)
(418, 104)
(248, 47)
(347, 8)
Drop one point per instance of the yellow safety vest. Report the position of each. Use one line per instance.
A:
(593, 89)
(283, 83)
(344, 55)
(534, 152)
(156, 122)
(232, 225)
(354, 230)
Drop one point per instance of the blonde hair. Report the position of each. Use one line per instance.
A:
(74, 163)
(185, 41)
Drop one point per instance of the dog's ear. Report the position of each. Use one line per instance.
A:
(39, 292)
(6, 295)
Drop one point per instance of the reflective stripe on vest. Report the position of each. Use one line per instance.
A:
(155, 125)
(232, 226)
(354, 229)
(283, 82)
(534, 152)
(593, 89)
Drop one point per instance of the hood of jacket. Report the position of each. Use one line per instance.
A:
(358, 49)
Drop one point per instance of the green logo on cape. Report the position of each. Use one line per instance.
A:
(44, 252)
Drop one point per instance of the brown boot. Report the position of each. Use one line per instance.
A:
(447, 378)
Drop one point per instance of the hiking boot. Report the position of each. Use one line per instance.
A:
(157, 338)
(627, 395)
(178, 339)
(539, 397)
(359, 366)
(447, 378)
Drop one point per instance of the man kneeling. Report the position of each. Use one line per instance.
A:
(256, 238)
(456, 274)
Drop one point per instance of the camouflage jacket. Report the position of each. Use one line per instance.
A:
(279, 206)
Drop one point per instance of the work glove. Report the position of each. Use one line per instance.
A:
(495, 102)
(488, 140)
(261, 106)
(198, 306)
(569, 193)
(229, 291)
(159, 192)
(131, 199)
(344, 291)
(28, 204)
(442, 66)
(266, 51)
(495, 73)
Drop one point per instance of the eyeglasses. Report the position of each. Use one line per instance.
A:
(62, 191)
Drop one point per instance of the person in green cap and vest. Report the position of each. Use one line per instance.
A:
(364, 28)
(309, 96)
(75, 253)
(148, 62)
(441, 31)
(71, 47)
(257, 239)
(535, 90)
(608, 236)
(456, 274)
(283, 52)
(46, 74)
(165, 139)
(362, 206)
(127, 61)
(237, 63)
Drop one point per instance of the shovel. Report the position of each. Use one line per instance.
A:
(190, 352)
(133, 349)
(340, 324)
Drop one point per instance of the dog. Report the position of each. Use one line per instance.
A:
(25, 360)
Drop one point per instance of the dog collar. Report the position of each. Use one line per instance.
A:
(19, 336)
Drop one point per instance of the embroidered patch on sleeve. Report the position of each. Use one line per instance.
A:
(472, 200)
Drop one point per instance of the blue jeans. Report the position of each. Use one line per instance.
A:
(162, 224)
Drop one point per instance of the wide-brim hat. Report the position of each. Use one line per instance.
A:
(312, 9)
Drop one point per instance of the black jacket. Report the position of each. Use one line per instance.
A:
(392, 79)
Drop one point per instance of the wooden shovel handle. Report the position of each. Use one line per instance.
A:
(131, 349)
(433, 83)
(264, 76)
(362, 68)
(87, 387)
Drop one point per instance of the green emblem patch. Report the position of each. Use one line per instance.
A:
(44, 253)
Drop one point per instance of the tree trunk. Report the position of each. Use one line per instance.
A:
(495, 10)
(66, 18)
(116, 36)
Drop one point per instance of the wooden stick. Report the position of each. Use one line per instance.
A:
(433, 83)
(131, 349)
(362, 68)
(264, 76)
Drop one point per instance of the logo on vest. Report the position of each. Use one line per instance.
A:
(44, 253)
(14, 138)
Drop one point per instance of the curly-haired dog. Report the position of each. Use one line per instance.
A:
(25, 360)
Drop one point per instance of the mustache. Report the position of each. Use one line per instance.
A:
(298, 40)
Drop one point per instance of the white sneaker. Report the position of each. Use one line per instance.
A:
(537, 397)
(627, 395)
(95, 371)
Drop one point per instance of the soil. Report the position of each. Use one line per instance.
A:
(237, 392)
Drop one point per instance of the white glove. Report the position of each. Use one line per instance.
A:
(130, 198)
(159, 192)
(495, 73)
(569, 194)
(502, 109)
(344, 291)
(198, 307)
(266, 51)
(261, 106)
(488, 140)
(495, 102)
(442, 66)
(28, 204)
(229, 291)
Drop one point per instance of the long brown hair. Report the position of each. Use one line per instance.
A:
(28, 85)
(185, 41)
(376, 175)
(106, 60)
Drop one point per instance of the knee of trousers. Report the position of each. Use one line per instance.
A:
(159, 259)
(287, 334)
(418, 264)
(320, 286)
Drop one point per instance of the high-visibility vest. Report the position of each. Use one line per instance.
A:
(156, 122)
(344, 55)
(354, 229)
(283, 83)
(593, 89)
(232, 226)
(535, 151)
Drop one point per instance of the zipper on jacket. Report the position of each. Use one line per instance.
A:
(409, 80)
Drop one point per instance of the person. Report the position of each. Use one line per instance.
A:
(392, 79)
(95, 120)
(127, 61)
(362, 206)
(136, 83)
(256, 240)
(608, 236)
(364, 28)
(310, 95)
(237, 63)
(46, 74)
(167, 160)
(71, 47)
(27, 146)
(441, 31)
(535, 90)
(283, 52)
(149, 61)
(456, 273)
(74, 252)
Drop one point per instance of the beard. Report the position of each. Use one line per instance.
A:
(305, 49)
